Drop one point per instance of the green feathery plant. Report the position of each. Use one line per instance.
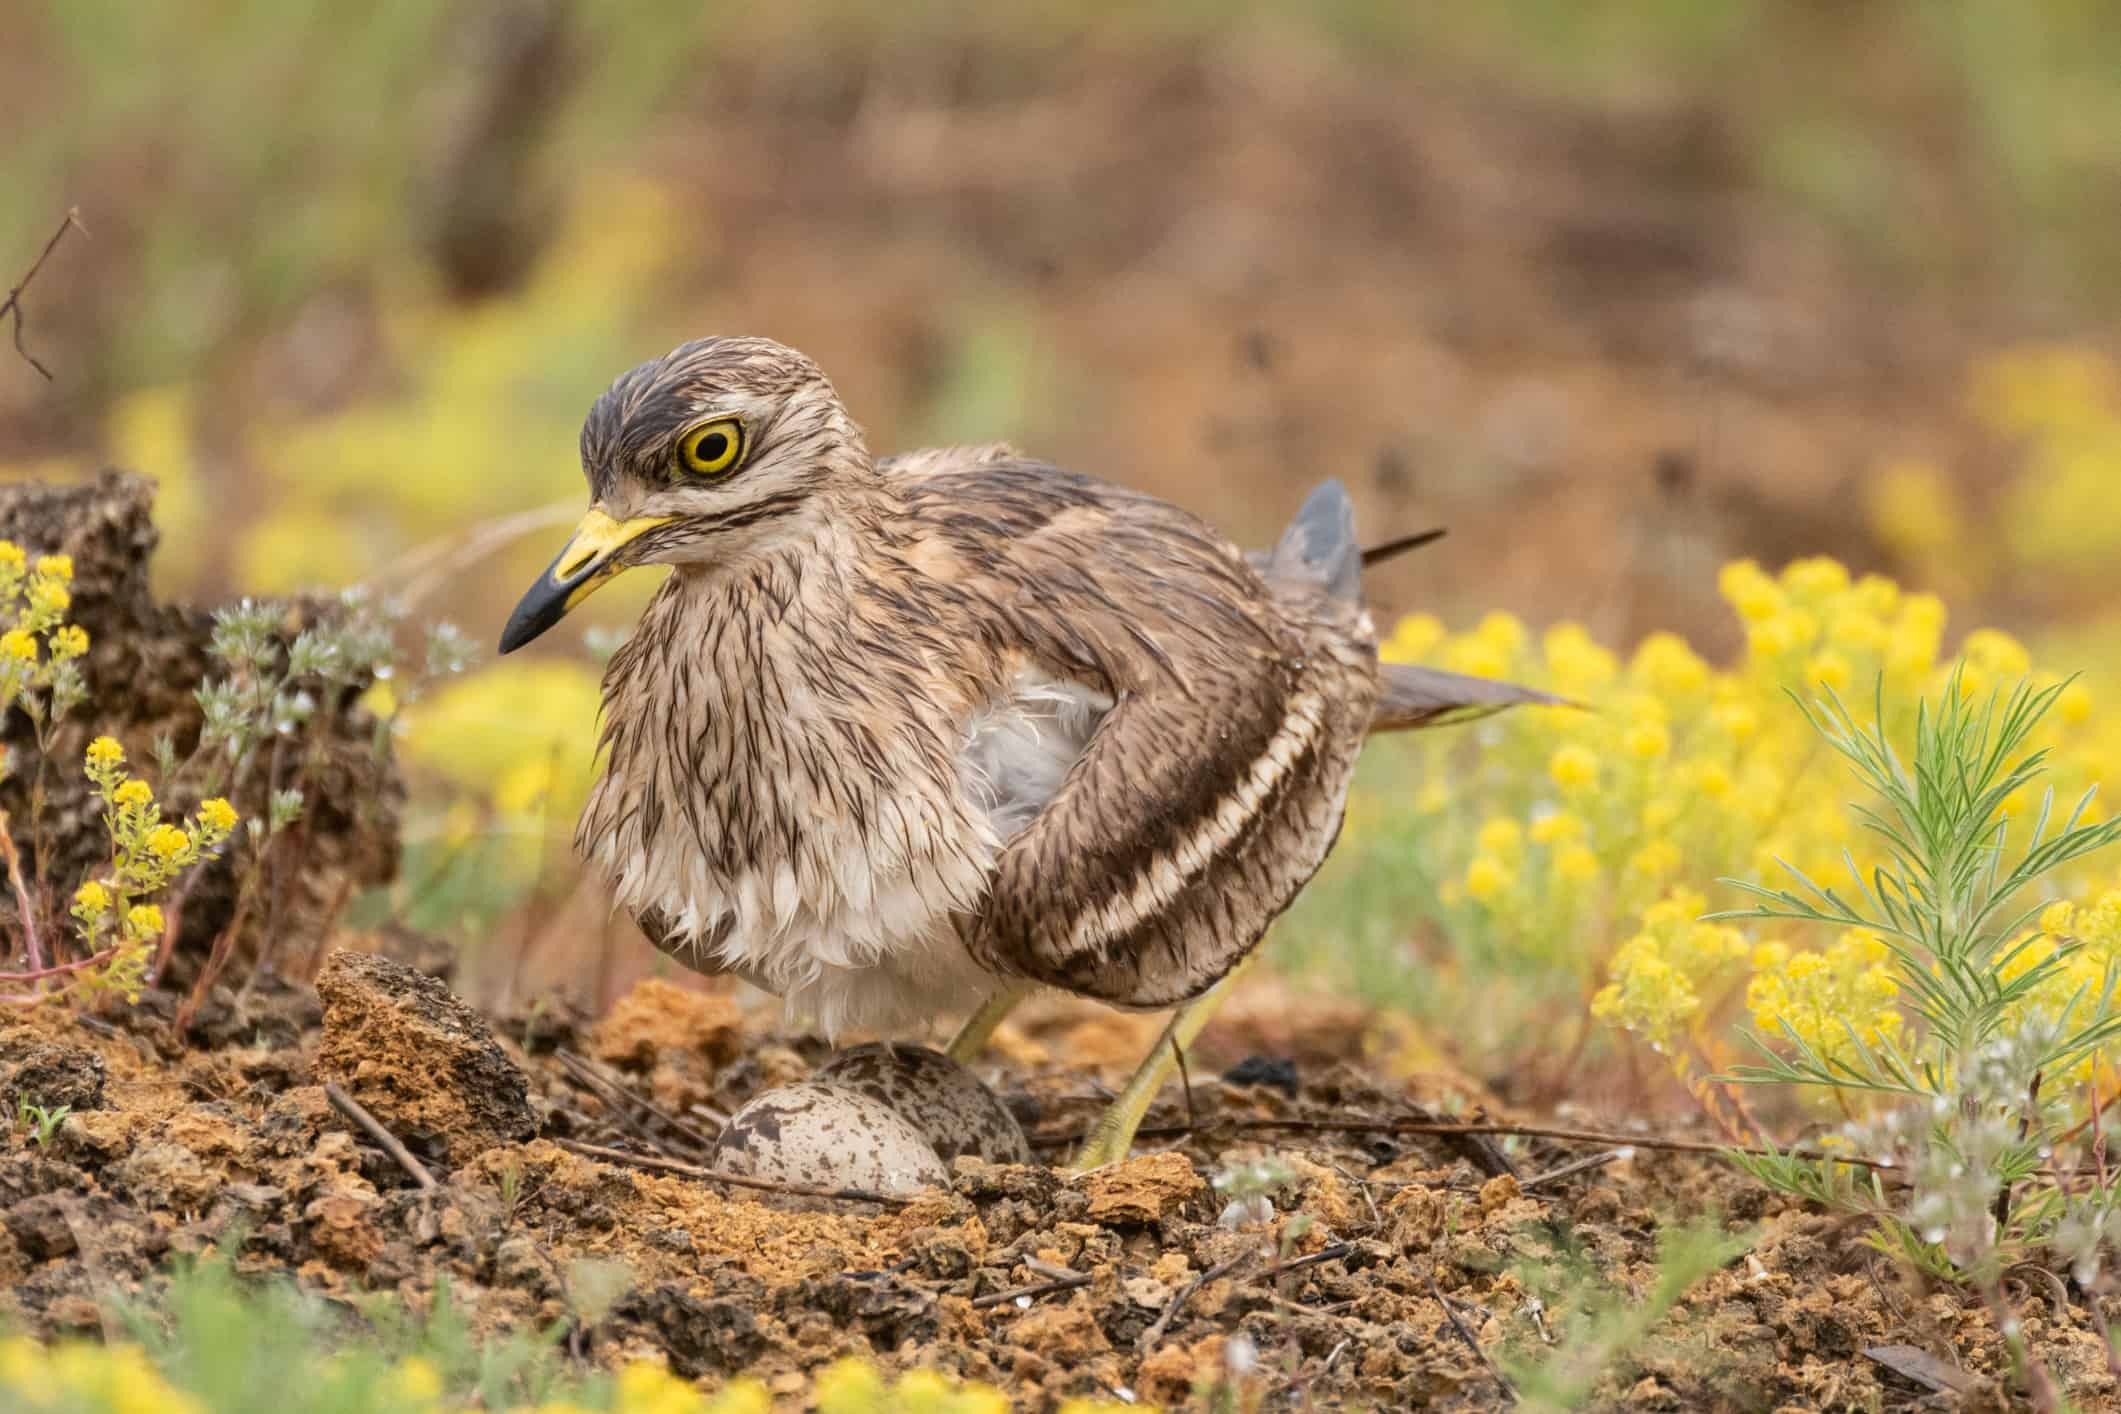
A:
(1975, 1102)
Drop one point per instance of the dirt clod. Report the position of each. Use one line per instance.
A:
(1143, 1190)
(35, 1071)
(658, 1016)
(424, 1063)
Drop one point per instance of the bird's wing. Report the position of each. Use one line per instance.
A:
(1213, 787)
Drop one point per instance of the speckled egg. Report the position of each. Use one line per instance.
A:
(829, 1136)
(954, 1112)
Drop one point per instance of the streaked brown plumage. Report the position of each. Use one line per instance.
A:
(896, 735)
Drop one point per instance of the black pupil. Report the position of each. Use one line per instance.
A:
(712, 446)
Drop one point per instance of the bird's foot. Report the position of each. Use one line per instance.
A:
(1109, 1141)
(973, 1036)
(1112, 1137)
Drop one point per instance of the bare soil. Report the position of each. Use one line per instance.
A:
(1382, 1268)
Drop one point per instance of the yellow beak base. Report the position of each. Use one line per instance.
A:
(578, 571)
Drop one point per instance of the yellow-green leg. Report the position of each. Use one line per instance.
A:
(1113, 1135)
(973, 1036)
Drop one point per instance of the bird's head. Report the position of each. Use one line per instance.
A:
(714, 451)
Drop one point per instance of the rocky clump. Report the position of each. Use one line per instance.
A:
(419, 1059)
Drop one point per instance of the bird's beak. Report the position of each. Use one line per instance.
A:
(579, 571)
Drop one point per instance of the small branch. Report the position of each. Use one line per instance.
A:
(707, 1175)
(592, 1075)
(1155, 1333)
(1324, 1254)
(23, 906)
(347, 1105)
(61, 969)
(1029, 1293)
(1458, 1127)
(12, 305)
(1465, 1333)
(1570, 1170)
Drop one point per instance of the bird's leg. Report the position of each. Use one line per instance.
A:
(1113, 1134)
(972, 1037)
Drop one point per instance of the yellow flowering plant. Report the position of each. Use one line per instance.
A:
(1957, 998)
(1540, 855)
(120, 926)
(265, 694)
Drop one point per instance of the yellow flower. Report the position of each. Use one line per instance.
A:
(1647, 994)
(1875, 594)
(1499, 836)
(69, 641)
(1665, 664)
(2074, 703)
(1579, 664)
(1737, 719)
(1501, 629)
(1657, 858)
(1711, 780)
(92, 898)
(167, 841)
(105, 751)
(217, 815)
(59, 567)
(416, 1381)
(1431, 798)
(1821, 996)
(50, 598)
(1576, 863)
(16, 643)
(1662, 813)
(1747, 588)
(1573, 768)
(1780, 634)
(1857, 629)
(133, 792)
(848, 1387)
(1487, 877)
(144, 920)
(1412, 639)
(11, 556)
(1815, 577)
(1556, 828)
(1997, 652)
(1829, 669)
(1647, 741)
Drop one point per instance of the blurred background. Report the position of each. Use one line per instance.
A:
(1615, 291)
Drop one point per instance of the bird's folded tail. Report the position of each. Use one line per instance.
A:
(1319, 546)
(1430, 697)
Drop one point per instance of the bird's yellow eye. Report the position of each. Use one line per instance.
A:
(712, 448)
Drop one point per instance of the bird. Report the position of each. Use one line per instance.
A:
(907, 738)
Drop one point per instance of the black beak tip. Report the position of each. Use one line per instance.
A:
(539, 610)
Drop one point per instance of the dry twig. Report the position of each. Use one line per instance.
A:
(1358, 1125)
(12, 305)
(1155, 1333)
(25, 906)
(593, 1075)
(353, 1109)
(1030, 1293)
(1570, 1170)
(1465, 1333)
